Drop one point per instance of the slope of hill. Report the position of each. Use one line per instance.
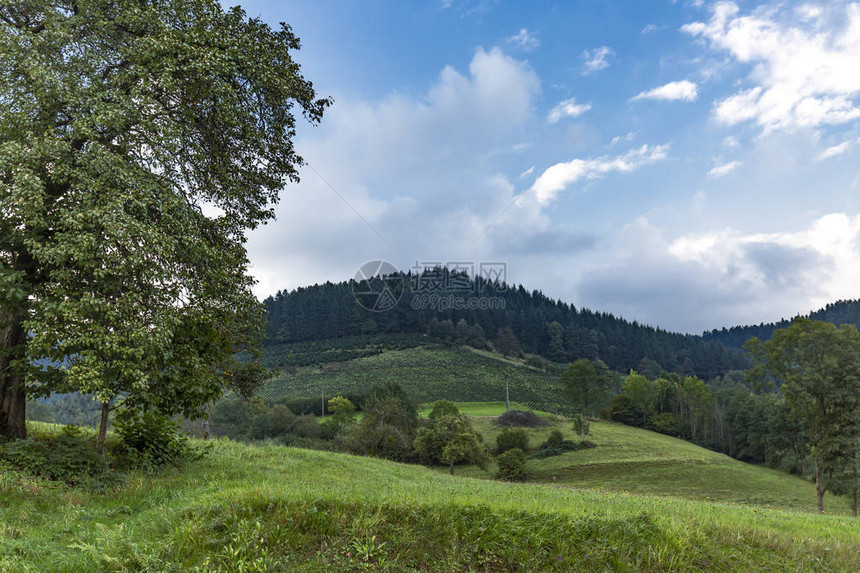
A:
(841, 312)
(638, 461)
(427, 374)
(271, 508)
(553, 329)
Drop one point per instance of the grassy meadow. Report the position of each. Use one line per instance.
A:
(271, 508)
(426, 374)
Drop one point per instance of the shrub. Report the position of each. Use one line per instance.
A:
(556, 449)
(520, 418)
(581, 426)
(512, 438)
(261, 427)
(70, 457)
(151, 441)
(512, 465)
(665, 423)
(554, 440)
(282, 419)
(307, 426)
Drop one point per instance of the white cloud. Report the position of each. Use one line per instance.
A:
(527, 172)
(567, 108)
(650, 29)
(725, 277)
(836, 150)
(622, 138)
(562, 175)
(804, 74)
(597, 59)
(422, 171)
(724, 169)
(524, 40)
(731, 142)
(683, 90)
(832, 240)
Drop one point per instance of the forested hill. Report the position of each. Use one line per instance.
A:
(540, 325)
(841, 312)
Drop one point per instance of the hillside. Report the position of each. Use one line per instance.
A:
(556, 330)
(271, 508)
(841, 312)
(427, 374)
(638, 461)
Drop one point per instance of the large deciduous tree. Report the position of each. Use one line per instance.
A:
(139, 141)
(818, 365)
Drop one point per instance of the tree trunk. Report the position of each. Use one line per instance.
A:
(819, 487)
(13, 396)
(451, 468)
(207, 409)
(100, 439)
(854, 507)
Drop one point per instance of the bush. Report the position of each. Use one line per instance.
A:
(581, 427)
(512, 465)
(554, 440)
(282, 419)
(519, 418)
(512, 438)
(151, 441)
(665, 423)
(70, 457)
(307, 426)
(556, 449)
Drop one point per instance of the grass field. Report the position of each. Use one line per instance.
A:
(638, 461)
(270, 508)
(426, 374)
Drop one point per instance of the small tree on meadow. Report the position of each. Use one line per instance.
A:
(581, 426)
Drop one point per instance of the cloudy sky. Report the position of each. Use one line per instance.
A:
(687, 164)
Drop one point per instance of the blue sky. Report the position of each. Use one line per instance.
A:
(687, 164)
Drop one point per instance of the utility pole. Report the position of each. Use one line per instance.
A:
(507, 395)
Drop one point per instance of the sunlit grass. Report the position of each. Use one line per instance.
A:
(275, 508)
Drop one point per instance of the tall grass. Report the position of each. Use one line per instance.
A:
(271, 508)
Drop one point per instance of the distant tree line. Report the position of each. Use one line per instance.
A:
(840, 312)
(796, 409)
(526, 322)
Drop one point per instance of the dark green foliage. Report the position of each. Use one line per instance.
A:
(449, 438)
(664, 423)
(512, 465)
(287, 356)
(581, 426)
(621, 409)
(588, 385)
(282, 419)
(294, 320)
(443, 408)
(555, 438)
(69, 456)
(120, 122)
(512, 438)
(840, 312)
(307, 426)
(520, 418)
(387, 428)
(556, 448)
(150, 440)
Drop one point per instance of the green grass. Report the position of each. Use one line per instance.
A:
(427, 374)
(638, 461)
(271, 508)
(480, 409)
